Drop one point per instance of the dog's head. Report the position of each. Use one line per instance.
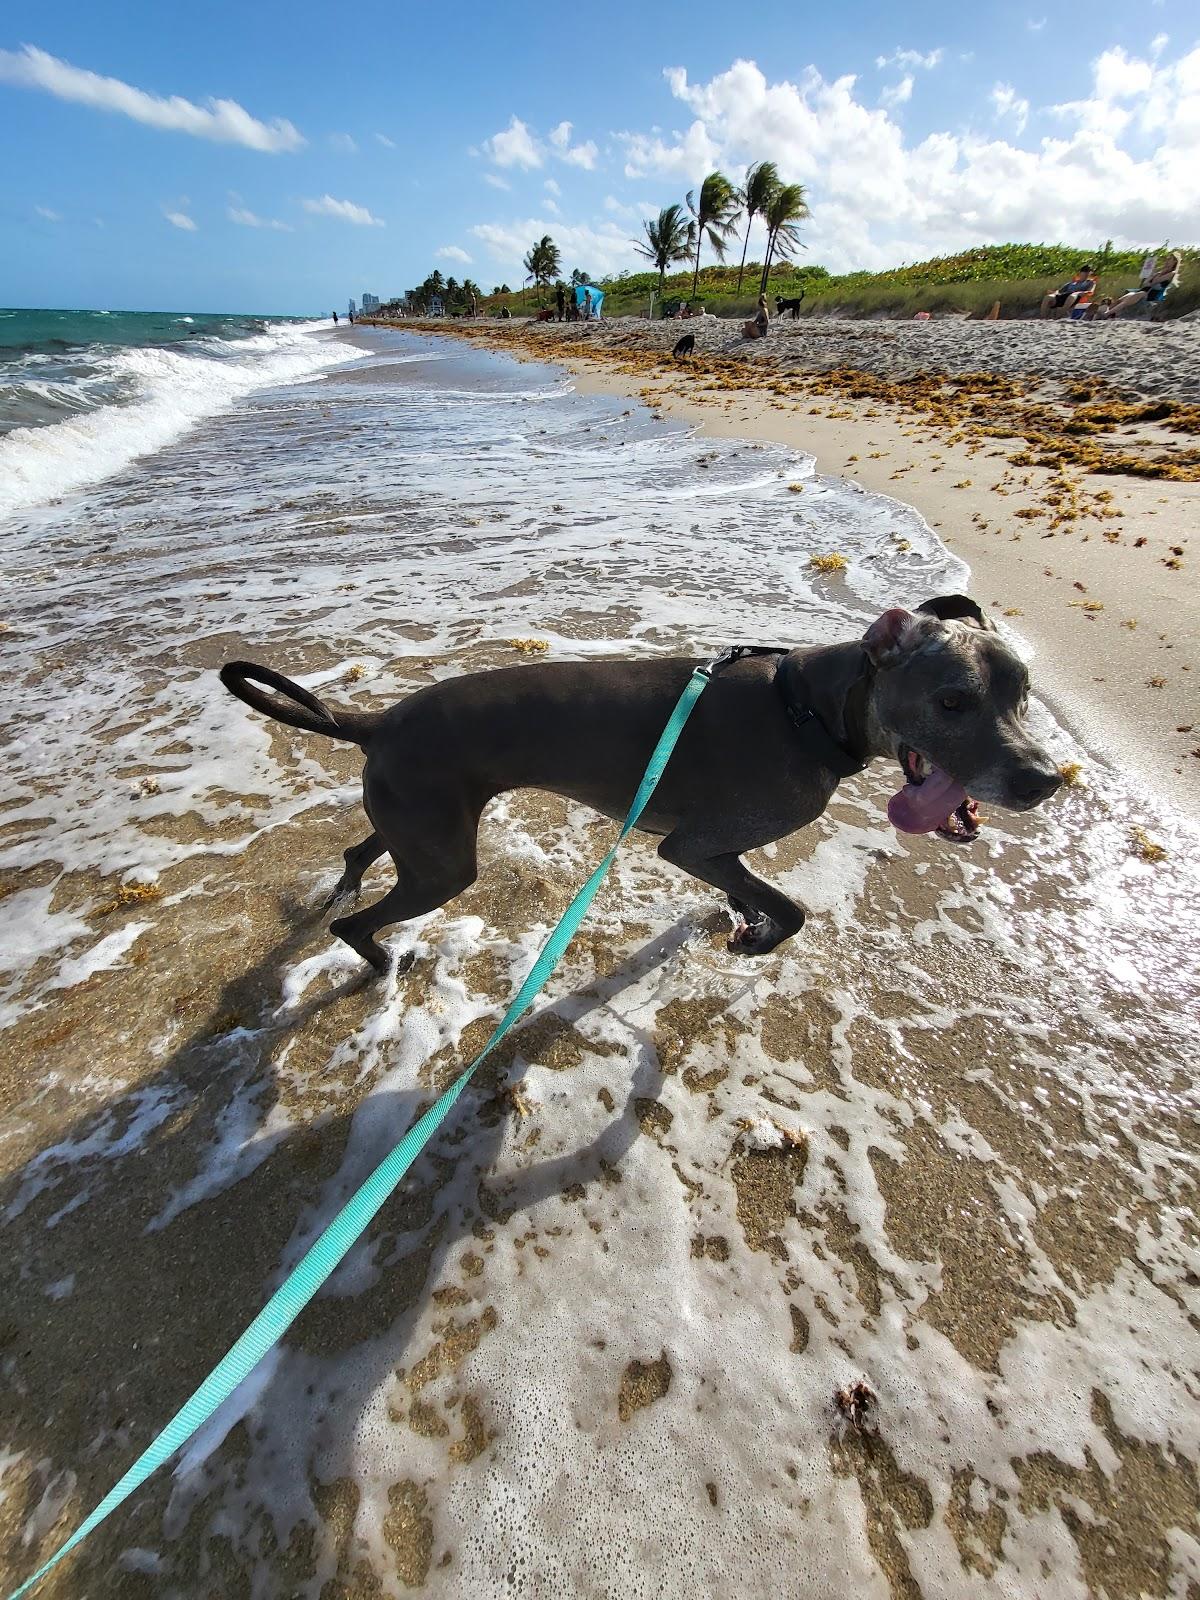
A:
(949, 700)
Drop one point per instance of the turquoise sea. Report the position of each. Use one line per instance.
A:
(83, 393)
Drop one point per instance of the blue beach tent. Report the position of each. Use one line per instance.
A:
(597, 295)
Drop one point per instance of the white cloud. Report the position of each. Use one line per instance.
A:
(1036, 27)
(344, 143)
(1008, 103)
(452, 252)
(47, 215)
(551, 187)
(582, 155)
(1118, 77)
(519, 146)
(222, 120)
(247, 219)
(689, 157)
(878, 197)
(601, 249)
(899, 93)
(631, 211)
(496, 181)
(180, 219)
(514, 147)
(1158, 44)
(579, 155)
(388, 144)
(912, 58)
(344, 210)
(553, 207)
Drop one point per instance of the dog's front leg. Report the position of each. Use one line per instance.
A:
(768, 916)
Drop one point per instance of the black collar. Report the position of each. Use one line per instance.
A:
(842, 760)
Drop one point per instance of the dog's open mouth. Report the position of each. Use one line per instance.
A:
(931, 801)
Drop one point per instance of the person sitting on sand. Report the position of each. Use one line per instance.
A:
(1155, 285)
(759, 325)
(1064, 298)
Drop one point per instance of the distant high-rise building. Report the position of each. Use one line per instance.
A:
(370, 302)
(353, 307)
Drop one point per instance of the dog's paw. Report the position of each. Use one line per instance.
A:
(755, 938)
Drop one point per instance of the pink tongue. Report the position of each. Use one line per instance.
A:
(920, 807)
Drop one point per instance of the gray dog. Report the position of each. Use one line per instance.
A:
(765, 748)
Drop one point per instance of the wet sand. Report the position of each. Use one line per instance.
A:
(944, 1142)
(1097, 569)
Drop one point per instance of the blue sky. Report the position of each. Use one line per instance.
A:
(270, 158)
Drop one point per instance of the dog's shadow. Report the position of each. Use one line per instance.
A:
(154, 1304)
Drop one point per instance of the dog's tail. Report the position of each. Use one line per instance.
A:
(240, 677)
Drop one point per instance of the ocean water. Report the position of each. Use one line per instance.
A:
(943, 1141)
(108, 386)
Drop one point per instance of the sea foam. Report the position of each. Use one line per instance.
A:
(166, 391)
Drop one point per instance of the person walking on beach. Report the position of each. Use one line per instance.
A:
(335, 318)
(560, 301)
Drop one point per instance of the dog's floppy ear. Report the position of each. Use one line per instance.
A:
(956, 608)
(884, 639)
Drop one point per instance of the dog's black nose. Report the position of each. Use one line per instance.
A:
(1031, 785)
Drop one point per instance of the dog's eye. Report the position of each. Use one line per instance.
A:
(951, 702)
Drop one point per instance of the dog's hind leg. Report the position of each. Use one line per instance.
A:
(434, 853)
(357, 858)
(769, 917)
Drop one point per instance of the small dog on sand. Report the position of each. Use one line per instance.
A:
(684, 346)
(792, 305)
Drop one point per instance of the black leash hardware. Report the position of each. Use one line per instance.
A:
(736, 652)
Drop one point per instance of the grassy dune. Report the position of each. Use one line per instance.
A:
(1017, 275)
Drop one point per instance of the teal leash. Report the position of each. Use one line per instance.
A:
(320, 1259)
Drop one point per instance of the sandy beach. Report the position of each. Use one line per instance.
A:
(1107, 594)
(942, 1144)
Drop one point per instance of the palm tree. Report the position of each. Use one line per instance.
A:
(762, 180)
(530, 263)
(715, 217)
(543, 262)
(670, 237)
(787, 208)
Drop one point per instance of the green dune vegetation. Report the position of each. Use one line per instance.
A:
(719, 219)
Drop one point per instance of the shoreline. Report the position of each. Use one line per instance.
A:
(942, 1144)
(1111, 624)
